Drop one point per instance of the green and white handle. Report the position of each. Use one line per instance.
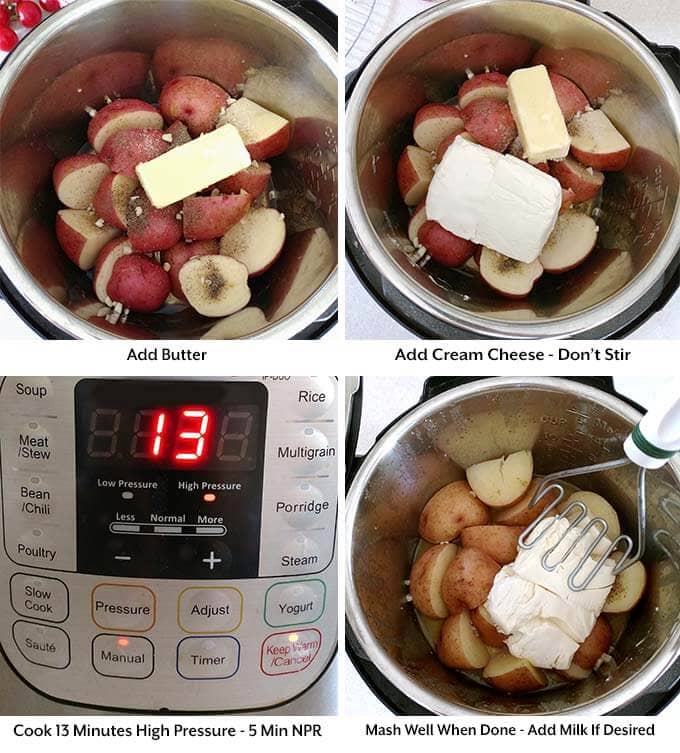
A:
(655, 440)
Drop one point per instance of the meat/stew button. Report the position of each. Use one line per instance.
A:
(289, 652)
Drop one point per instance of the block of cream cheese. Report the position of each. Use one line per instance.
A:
(189, 168)
(493, 199)
(539, 120)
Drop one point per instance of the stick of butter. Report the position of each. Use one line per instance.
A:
(193, 166)
(539, 120)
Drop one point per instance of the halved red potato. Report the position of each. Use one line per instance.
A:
(124, 150)
(573, 238)
(221, 60)
(595, 75)
(469, 578)
(569, 97)
(443, 246)
(208, 217)
(597, 143)
(425, 580)
(174, 258)
(459, 645)
(264, 133)
(103, 269)
(254, 180)
(597, 507)
(512, 675)
(509, 277)
(77, 178)
(597, 643)
(215, 285)
(446, 143)
(414, 174)
(567, 200)
(490, 123)
(152, 229)
(627, 589)
(178, 133)
(256, 240)
(418, 219)
(193, 100)
(113, 197)
(488, 632)
(477, 52)
(501, 481)
(433, 123)
(449, 511)
(491, 85)
(80, 237)
(519, 513)
(499, 542)
(139, 283)
(122, 115)
(585, 182)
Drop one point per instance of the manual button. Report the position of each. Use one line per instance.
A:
(210, 610)
(122, 607)
(126, 656)
(41, 644)
(39, 597)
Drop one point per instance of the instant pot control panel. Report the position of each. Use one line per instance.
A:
(169, 543)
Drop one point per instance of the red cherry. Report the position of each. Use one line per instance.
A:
(8, 39)
(50, 5)
(4, 16)
(29, 13)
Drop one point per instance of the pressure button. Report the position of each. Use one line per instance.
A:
(122, 607)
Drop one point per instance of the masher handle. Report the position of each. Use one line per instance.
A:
(655, 440)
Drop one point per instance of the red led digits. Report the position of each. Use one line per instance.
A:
(158, 438)
(190, 442)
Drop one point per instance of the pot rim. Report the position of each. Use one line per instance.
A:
(612, 700)
(33, 294)
(561, 327)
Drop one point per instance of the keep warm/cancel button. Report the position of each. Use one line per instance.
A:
(294, 651)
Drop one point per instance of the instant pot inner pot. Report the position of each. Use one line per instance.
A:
(43, 118)
(636, 207)
(564, 430)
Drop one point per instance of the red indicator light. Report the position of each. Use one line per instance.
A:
(192, 427)
(123, 642)
(158, 436)
(209, 497)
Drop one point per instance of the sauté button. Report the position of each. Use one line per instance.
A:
(214, 658)
(210, 610)
(121, 607)
(294, 603)
(289, 652)
(39, 597)
(42, 644)
(127, 656)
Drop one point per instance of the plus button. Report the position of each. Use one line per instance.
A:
(212, 560)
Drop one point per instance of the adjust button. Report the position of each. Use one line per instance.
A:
(127, 656)
(39, 597)
(210, 610)
(296, 602)
(122, 607)
(41, 644)
(214, 658)
(285, 653)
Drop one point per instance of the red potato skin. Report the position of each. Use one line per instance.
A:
(174, 258)
(446, 143)
(139, 283)
(582, 191)
(407, 175)
(569, 97)
(69, 239)
(498, 51)
(438, 110)
(253, 180)
(180, 134)
(445, 247)
(194, 101)
(155, 229)
(123, 151)
(271, 146)
(115, 108)
(208, 217)
(593, 74)
(104, 205)
(490, 123)
(222, 61)
(482, 80)
(69, 164)
(611, 162)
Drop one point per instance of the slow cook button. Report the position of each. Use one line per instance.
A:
(128, 656)
(289, 652)
(294, 603)
(41, 644)
(214, 658)
(121, 607)
(210, 610)
(39, 597)
(307, 450)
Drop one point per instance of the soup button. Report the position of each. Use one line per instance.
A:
(289, 652)
(294, 603)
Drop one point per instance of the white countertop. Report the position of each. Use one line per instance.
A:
(657, 20)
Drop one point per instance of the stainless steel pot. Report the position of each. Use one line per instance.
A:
(566, 424)
(42, 118)
(639, 223)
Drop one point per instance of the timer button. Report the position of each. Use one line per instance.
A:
(39, 597)
(128, 656)
(289, 652)
(316, 398)
(210, 610)
(122, 607)
(41, 644)
(214, 658)
(294, 603)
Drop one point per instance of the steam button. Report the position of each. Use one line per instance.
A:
(42, 644)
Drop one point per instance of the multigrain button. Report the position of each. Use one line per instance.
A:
(42, 644)
(289, 652)
(121, 607)
(214, 658)
(210, 610)
(39, 597)
(294, 603)
(307, 450)
(128, 656)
